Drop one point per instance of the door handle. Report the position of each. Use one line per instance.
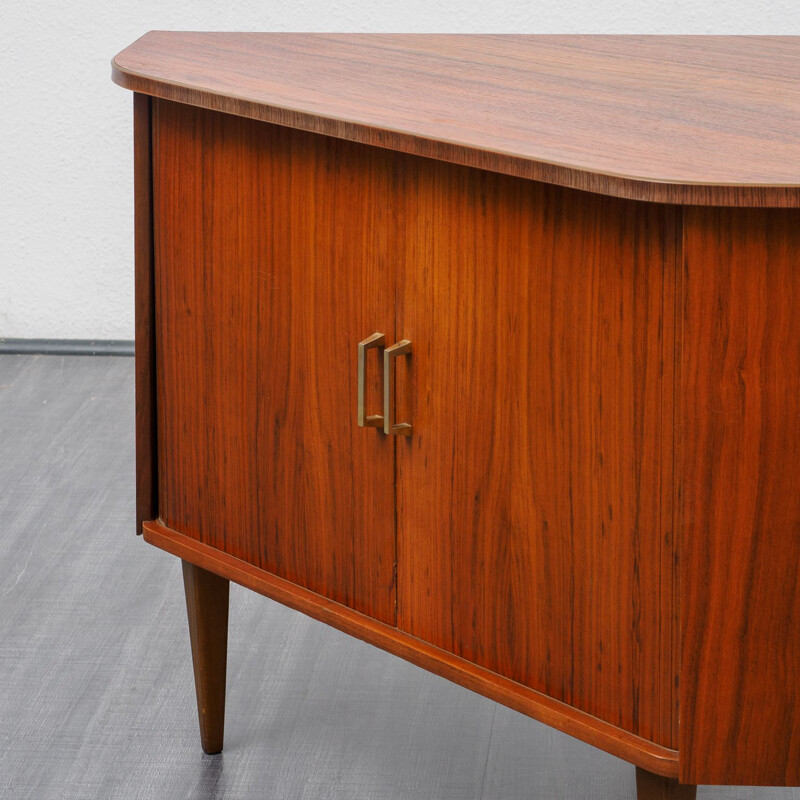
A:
(402, 348)
(365, 420)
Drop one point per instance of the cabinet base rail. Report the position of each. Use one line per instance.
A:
(640, 752)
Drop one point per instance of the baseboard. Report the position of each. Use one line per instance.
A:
(67, 347)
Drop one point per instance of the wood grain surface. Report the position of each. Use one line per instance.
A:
(535, 495)
(708, 120)
(146, 439)
(207, 600)
(536, 560)
(740, 679)
(272, 262)
(653, 757)
(537, 503)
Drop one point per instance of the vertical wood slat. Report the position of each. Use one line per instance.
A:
(669, 624)
(146, 442)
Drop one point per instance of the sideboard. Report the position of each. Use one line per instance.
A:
(486, 350)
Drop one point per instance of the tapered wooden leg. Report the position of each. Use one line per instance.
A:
(656, 787)
(207, 606)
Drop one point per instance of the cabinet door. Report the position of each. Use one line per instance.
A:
(535, 493)
(270, 254)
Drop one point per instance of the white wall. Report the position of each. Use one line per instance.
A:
(66, 193)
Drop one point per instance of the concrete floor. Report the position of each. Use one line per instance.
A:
(96, 693)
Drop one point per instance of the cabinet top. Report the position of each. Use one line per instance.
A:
(708, 120)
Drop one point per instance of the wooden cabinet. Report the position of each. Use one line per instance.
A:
(590, 509)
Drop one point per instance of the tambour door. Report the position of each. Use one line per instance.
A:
(271, 262)
(535, 507)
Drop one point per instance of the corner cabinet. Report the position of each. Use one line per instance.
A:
(486, 350)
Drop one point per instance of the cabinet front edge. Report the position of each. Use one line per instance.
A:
(144, 302)
(628, 187)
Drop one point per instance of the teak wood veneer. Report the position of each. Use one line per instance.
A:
(486, 350)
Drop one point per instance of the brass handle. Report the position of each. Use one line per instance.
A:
(364, 420)
(402, 348)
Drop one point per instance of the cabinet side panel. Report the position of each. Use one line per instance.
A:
(146, 459)
(271, 266)
(535, 495)
(740, 419)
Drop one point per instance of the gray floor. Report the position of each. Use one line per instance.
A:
(96, 695)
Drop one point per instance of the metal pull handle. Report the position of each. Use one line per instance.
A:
(364, 420)
(402, 348)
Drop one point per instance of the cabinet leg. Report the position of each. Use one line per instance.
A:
(207, 607)
(656, 787)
